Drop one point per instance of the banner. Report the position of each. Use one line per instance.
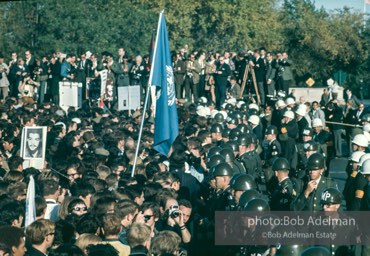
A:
(128, 97)
(30, 203)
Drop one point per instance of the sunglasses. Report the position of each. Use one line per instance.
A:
(148, 217)
(77, 209)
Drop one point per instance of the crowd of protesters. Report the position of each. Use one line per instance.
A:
(231, 154)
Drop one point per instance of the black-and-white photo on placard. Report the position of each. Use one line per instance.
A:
(33, 142)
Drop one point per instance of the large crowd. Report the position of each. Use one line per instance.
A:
(245, 143)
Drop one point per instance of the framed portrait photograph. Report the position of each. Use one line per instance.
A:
(33, 143)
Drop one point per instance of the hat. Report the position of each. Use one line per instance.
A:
(101, 152)
(202, 112)
(231, 101)
(290, 101)
(289, 114)
(60, 112)
(301, 112)
(88, 54)
(208, 111)
(213, 113)
(280, 103)
(240, 103)
(316, 122)
(253, 106)
(224, 114)
(136, 114)
(254, 119)
(62, 124)
(76, 120)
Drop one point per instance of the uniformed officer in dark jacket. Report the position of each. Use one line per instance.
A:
(287, 137)
(307, 135)
(284, 193)
(241, 183)
(273, 149)
(245, 154)
(216, 133)
(310, 187)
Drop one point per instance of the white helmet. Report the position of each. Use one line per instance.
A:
(355, 157)
(365, 168)
(290, 101)
(301, 111)
(240, 103)
(316, 122)
(202, 112)
(360, 140)
(363, 158)
(213, 113)
(254, 119)
(253, 106)
(208, 111)
(289, 114)
(366, 128)
(280, 103)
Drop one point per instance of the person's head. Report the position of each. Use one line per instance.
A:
(139, 234)
(121, 51)
(28, 54)
(165, 243)
(50, 189)
(13, 238)
(111, 225)
(77, 206)
(85, 240)
(315, 166)
(12, 213)
(34, 140)
(127, 211)
(5, 250)
(151, 213)
(102, 249)
(331, 200)
(315, 105)
(40, 205)
(73, 172)
(41, 232)
(186, 209)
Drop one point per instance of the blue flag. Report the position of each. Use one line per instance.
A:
(166, 126)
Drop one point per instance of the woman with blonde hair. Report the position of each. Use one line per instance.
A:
(84, 240)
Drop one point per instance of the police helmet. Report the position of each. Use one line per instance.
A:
(215, 160)
(254, 138)
(222, 169)
(243, 107)
(243, 128)
(316, 162)
(219, 118)
(244, 116)
(234, 133)
(291, 250)
(232, 120)
(257, 205)
(213, 151)
(244, 182)
(247, 196)
(245, 140)
(226, 133)
(272, 129)
(330, 196)
(228, 154)
(216, 128)
(280, 164)
(234, 144)
(252, 112)
(228, 107)
(316, 251)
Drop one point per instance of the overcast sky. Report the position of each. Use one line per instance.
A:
(334, 4)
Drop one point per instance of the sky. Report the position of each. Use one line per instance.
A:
(358, 5)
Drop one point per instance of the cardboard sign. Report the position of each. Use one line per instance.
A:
(33, 146)
(128, 97)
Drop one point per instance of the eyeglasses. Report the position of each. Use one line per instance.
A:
(147, 217)
(77, 209)
(72, 174)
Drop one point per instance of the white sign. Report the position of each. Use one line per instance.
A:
(128, 97)
(70, 95)
(103, 77)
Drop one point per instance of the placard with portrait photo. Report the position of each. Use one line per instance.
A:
(33, 143)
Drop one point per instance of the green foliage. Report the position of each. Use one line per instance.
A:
(319, 43)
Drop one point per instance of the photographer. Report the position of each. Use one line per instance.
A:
(4, 82)
(173, 220)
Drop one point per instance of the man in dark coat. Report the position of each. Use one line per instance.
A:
(222, 73)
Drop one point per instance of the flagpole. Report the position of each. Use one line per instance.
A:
(148, 91)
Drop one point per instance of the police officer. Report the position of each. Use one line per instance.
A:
(306, 136)
(320, 135)
(310, 187)
(359, 185)
(288, 136)
(246, 196)
(284, 193)
(222, 174)
(229, 156)
(273, 149)
(352, 171)
(245, 154)
(360, 143)
(216, 133)
(241, 183)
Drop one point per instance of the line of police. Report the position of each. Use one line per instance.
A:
(248, 174)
